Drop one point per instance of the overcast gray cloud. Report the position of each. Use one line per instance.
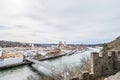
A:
(74, 21)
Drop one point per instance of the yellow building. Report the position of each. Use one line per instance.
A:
(12, 55)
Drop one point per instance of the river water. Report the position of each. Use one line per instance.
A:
(19, 73)
(27, 73)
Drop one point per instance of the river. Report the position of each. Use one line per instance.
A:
(27, 73)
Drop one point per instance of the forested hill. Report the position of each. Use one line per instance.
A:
(113, 45)
(13, 44)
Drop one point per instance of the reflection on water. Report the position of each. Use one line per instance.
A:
(19, 73)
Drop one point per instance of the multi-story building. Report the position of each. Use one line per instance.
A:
(12, 55)
(1, 52)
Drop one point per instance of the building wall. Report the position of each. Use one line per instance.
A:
(0, 51)
(117, 60)
(12, 55)
(105, 64)
(102, 64)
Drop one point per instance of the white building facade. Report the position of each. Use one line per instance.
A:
(1, 51)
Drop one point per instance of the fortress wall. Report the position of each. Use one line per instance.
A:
(101, 65)
(117, 61)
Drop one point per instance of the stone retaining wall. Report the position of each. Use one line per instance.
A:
(102, 64)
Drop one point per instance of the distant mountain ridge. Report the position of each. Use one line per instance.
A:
(115, 44)
(4, 43)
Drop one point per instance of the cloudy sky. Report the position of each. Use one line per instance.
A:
(50, 21)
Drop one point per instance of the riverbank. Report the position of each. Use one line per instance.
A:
(57, 56)
(14, 65)
(25, 63)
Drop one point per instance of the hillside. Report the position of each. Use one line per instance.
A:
(113, 45)
(13, 44)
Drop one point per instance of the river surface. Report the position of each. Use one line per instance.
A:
(19, 73)
(27, 73)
